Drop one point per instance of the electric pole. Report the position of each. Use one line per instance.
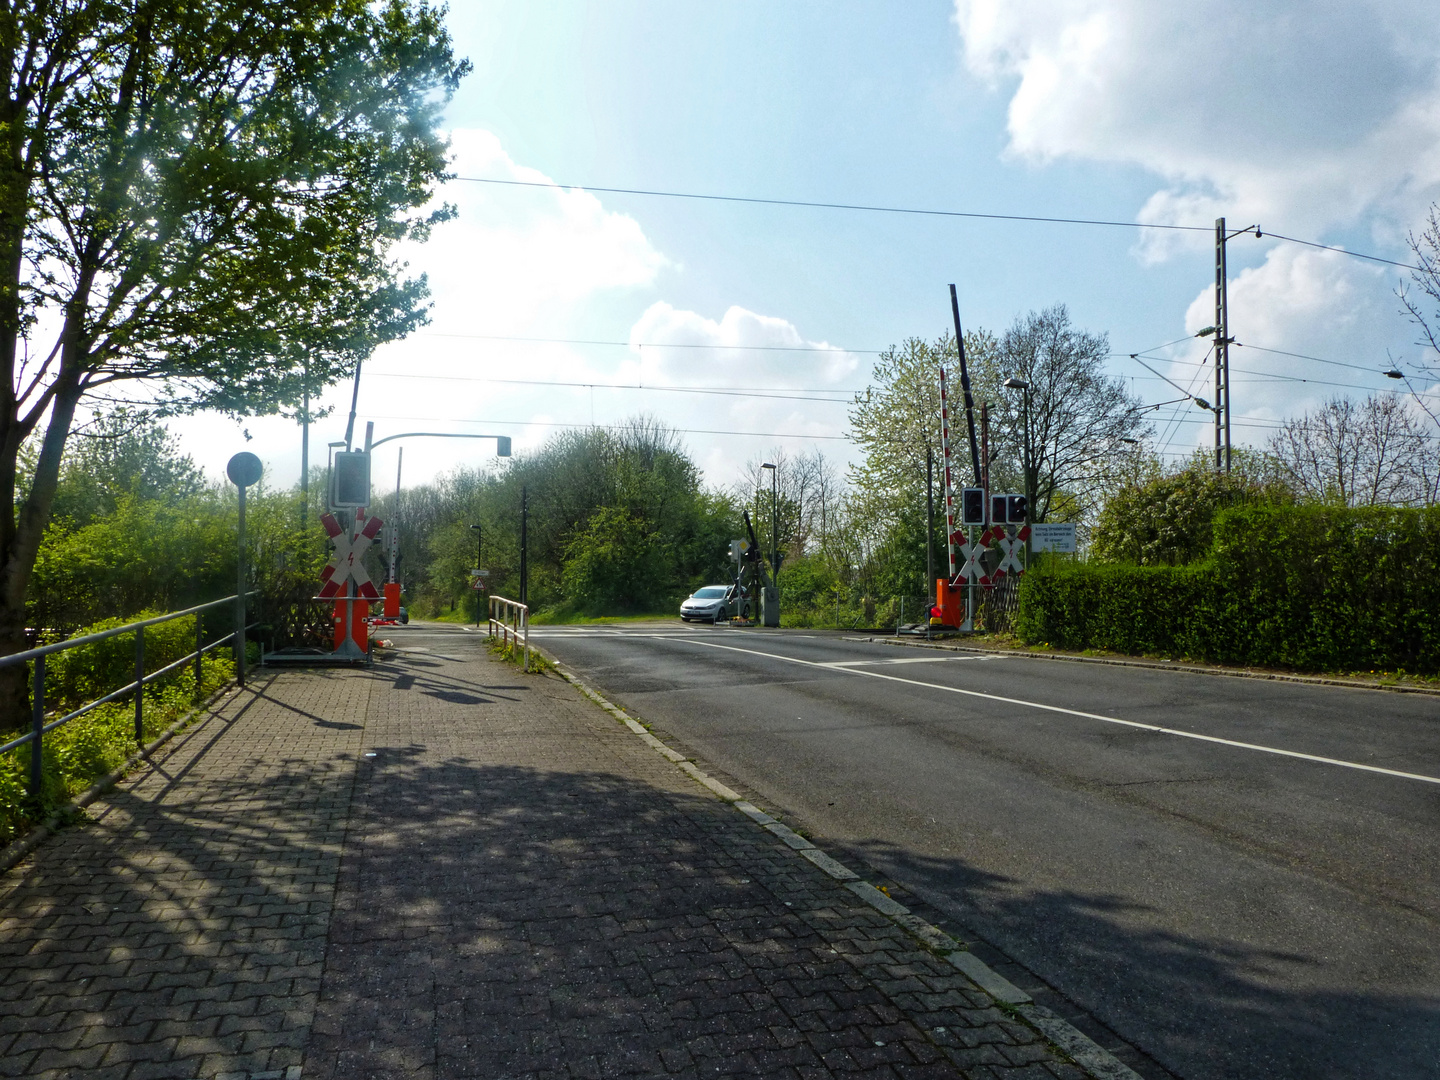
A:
(1222, 354)
(524, 545)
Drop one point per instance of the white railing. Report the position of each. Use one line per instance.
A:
(510, 621)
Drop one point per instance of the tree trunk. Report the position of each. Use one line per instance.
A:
(17, 556)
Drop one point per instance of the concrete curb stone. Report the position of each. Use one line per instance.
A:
(1097, 1062)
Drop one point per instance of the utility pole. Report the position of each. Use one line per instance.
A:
(524, 546)
(305, 460)
(929, 526)
(1222, 354)
(985, 446)
(965, 385)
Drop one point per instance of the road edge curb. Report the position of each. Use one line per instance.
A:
(1083, 1051)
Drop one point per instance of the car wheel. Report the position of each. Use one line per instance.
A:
(719, 615)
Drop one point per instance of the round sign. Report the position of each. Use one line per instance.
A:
(244, 469)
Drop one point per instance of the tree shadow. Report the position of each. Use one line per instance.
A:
(1203, 1010)
(493, 920)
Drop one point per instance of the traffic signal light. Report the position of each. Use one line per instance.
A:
(972, 506)
(997, 509)
(1017, 509)
(350, 482)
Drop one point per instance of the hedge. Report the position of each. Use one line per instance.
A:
(1313, 588)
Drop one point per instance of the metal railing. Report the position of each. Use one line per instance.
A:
(39, 728)
(513, 621)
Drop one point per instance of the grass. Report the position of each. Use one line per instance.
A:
(514, 652)
(84, 750)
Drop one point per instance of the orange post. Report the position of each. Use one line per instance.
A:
(951, 602)
(392, 600)
(359, 628)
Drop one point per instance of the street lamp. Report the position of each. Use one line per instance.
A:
(1024, 387)
(774, 524)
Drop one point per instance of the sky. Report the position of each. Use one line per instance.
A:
(747, 327)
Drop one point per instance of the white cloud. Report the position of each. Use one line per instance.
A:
(513, 255)
(514, 262)
(551, 264)
(1303, 117)
(744, 350)
(1316, 303)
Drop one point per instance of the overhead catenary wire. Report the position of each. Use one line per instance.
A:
(656, 344)
(920, 211)
(760, 393)
(863, 207)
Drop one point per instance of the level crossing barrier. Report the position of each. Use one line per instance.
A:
(510, 621)
(39, 728)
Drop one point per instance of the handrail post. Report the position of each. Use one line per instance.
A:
(199, 649)
(140, 685)
(37, 729)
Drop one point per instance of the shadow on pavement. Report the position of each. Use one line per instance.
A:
(1206, 1012)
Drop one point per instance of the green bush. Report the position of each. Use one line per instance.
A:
(82, 751)
(86, 672)
(1313, 588)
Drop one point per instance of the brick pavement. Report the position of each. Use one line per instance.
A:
(496, 880)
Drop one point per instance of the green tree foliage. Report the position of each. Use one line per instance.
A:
(119, 456)
(618, 521)
(203, 196)
(1309, 587)
(1166, 518)
(896, 421)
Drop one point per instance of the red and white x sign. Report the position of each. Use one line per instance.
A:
(346, 564)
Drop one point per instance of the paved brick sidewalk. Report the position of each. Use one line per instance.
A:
(526, 890)
(181, 932)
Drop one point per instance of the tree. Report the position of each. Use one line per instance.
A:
(203, 196)
(1081, 423)
(122, 454)
(1160, 518)
(896, 423)
(1370, 454)
(1426, 277)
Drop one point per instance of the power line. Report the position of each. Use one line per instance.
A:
(763, 393)
(915, 211)
(1303, 356)
(658, 344)
(1277, 378)
(1343, 251)
(556, 423)
(835, 206)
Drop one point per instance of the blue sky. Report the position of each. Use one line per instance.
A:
(1321, 123)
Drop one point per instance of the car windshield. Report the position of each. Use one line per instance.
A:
(710, 592)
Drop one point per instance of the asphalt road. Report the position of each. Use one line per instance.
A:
(1234, 905)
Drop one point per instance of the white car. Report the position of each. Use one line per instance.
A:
(710, 604)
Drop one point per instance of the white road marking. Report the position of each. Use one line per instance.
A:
(904, 660)
(1156, 728)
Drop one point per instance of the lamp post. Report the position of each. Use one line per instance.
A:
(774, 525)
(1024, 387)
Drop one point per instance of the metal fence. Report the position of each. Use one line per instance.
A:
(39, 728)
(513, 621)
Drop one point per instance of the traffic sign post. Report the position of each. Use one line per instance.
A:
(1053, 536)
(346, 578)
(243, 469)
